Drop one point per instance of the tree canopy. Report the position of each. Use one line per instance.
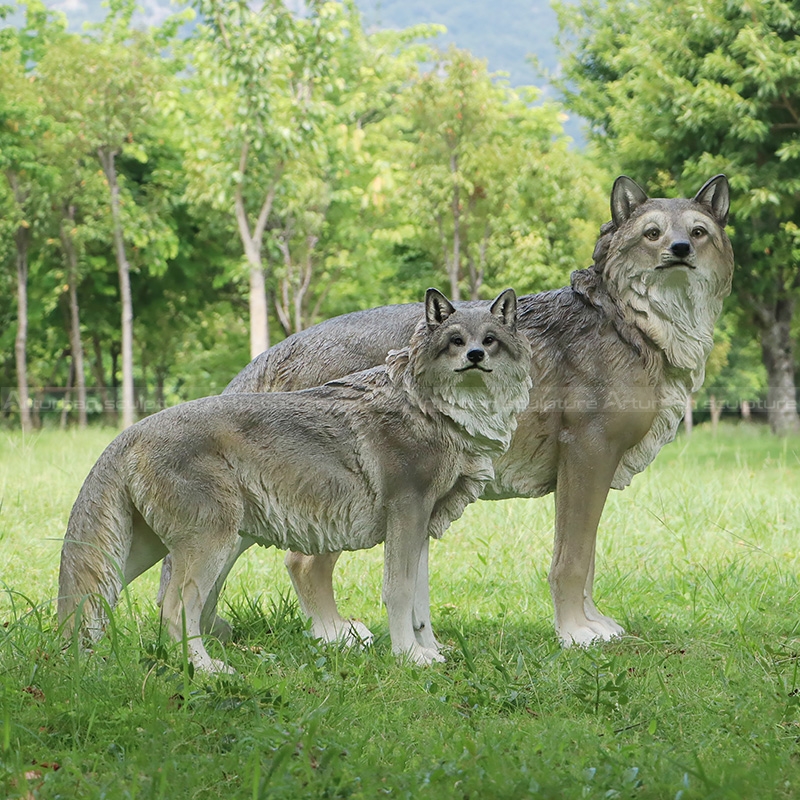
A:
(171, 204)
(154, 186)
(678, 91)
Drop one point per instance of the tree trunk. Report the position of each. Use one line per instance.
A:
(74, 313)
(107, 156)
(688, 417)
(109, 413)
(114, 380)
(65, 405)
(251, 243)
(22, 238)
(259, 320)
(778, 355)
(716, 413)
(455, 265)
(161, 376)
(476, 271)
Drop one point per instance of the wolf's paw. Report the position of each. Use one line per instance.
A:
(356, 634)
(349, 632)
(586, 633)
(422, 655)
(612, 627)
(213, 666)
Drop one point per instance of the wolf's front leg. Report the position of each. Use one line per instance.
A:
(406, 535)
(586, 468)
(422, 603)
(312, 578)
(590, 609)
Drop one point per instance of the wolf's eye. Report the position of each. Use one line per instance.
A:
(489, 340)
(457, 341)
(698, 231)
(652, 234)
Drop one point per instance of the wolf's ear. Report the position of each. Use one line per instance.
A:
(437, 308)
(504, 307)
(717, 194)
(626, 197)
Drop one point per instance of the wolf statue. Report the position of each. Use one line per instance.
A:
(392, 454)
(615, 356)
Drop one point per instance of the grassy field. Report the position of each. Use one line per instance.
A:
(698, 559)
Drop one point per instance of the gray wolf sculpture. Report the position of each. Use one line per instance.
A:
(393, 454)
(615, 356)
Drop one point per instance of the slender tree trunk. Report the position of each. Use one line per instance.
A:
(161, 376)
(455, 265)
(67, 393)
(259, 318)
(251, 243)
(114, 380)
(716, 413)
(688, 417)
(778, 355)
(476, 270)
(74, 312)
(107, 157)
(22, 239)
(745, 409)
(109, 414)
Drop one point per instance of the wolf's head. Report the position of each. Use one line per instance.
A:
(668, 264)
(468, 363)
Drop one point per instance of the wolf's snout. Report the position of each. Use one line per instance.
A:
(476, 355)
(680, 249)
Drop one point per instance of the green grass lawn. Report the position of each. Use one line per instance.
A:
(698, 559)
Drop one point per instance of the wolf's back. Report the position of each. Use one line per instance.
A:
(327, 351)
(96, 545)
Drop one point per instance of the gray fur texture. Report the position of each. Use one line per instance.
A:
(615, 355)
(392, 454)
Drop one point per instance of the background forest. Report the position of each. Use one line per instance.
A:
(177, 197)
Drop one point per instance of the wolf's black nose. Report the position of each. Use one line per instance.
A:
(680, 249)
(476, 355)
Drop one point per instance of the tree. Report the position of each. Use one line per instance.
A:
(677, 91)
(492, 187)
(252, 103)
(21, 127)
(107, 87)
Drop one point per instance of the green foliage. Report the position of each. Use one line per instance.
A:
(493, 191)
(698, 558)
(676, 92)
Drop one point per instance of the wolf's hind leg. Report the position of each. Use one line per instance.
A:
(210, 622)
(145, 551)
(312, 578)
(195, 572)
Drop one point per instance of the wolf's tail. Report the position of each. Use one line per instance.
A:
(96, 547)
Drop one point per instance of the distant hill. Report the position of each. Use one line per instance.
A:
(505, 32)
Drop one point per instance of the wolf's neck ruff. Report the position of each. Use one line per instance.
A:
(676, 312)
(485, 409)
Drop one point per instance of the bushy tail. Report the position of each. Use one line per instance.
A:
(96, 546)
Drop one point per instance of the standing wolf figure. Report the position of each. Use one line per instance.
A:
(391, 454)
(615, 356)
